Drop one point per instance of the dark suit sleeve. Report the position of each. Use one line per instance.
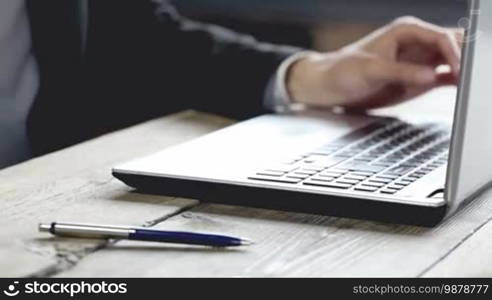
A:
(144, 60)
(140, 60)
(216, 69)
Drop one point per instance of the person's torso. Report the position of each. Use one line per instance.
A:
(104, 65)
(19, 81)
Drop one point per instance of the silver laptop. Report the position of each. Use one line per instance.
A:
(365, 167)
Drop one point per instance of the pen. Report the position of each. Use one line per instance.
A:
(140, 234)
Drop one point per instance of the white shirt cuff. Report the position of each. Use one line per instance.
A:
(277, 97)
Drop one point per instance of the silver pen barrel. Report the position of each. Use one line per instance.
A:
(86, 230)
(94, 225)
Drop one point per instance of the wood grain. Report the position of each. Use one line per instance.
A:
(289, 244)
(76, 184)
(469, 259)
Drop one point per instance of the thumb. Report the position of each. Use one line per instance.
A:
(403, 73)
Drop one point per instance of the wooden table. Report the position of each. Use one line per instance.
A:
(76, 185)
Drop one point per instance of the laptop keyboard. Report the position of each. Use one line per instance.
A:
(383, 157)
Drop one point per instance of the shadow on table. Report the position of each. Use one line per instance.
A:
(63, 244)
(210, 212)
(245, 215)
(171, 248)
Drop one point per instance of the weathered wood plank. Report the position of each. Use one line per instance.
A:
(470, 259)
(76, 185)
(71, 184)
(292, 244)
(288, 244)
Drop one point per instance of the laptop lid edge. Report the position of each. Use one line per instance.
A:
(460, 113)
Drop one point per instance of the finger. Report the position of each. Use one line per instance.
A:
(385, 72)
(444, 79)
(459, 34)
(444, 40)
(390, 95)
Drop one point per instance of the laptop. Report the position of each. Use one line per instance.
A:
(365, 167)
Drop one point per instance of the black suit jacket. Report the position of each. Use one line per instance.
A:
(109, 64)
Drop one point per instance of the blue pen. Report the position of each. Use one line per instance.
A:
(140, 234)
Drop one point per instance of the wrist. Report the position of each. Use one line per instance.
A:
(305, 78)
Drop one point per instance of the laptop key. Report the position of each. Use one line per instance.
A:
(313, 168)
(387, 176)
(324, 161)
(385, 165)
(275, 179)
(409, 180)
(325, 179)
(359, 133)
(401, 183)
(323, 152)
(365, 174)
(282, 168)
(299, 176)
(348, 181)
(270, 173)
(395, 187)
(374, 184)
(400, 170)
(366, 157)
(312, 158)
(388, 191)
(305, 172)
(366, 189)
(380, 180)
(332, 173)
(363, 160)
(328, 184)
(358, 167)
(355, 177)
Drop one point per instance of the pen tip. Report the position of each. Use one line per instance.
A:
(246, 242)
(44, 227)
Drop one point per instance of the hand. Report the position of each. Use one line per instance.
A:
(395, 63)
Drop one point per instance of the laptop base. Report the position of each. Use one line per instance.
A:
(258, 197)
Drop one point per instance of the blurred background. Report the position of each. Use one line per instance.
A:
(319, 24)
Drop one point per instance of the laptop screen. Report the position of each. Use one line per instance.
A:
(470, 164)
